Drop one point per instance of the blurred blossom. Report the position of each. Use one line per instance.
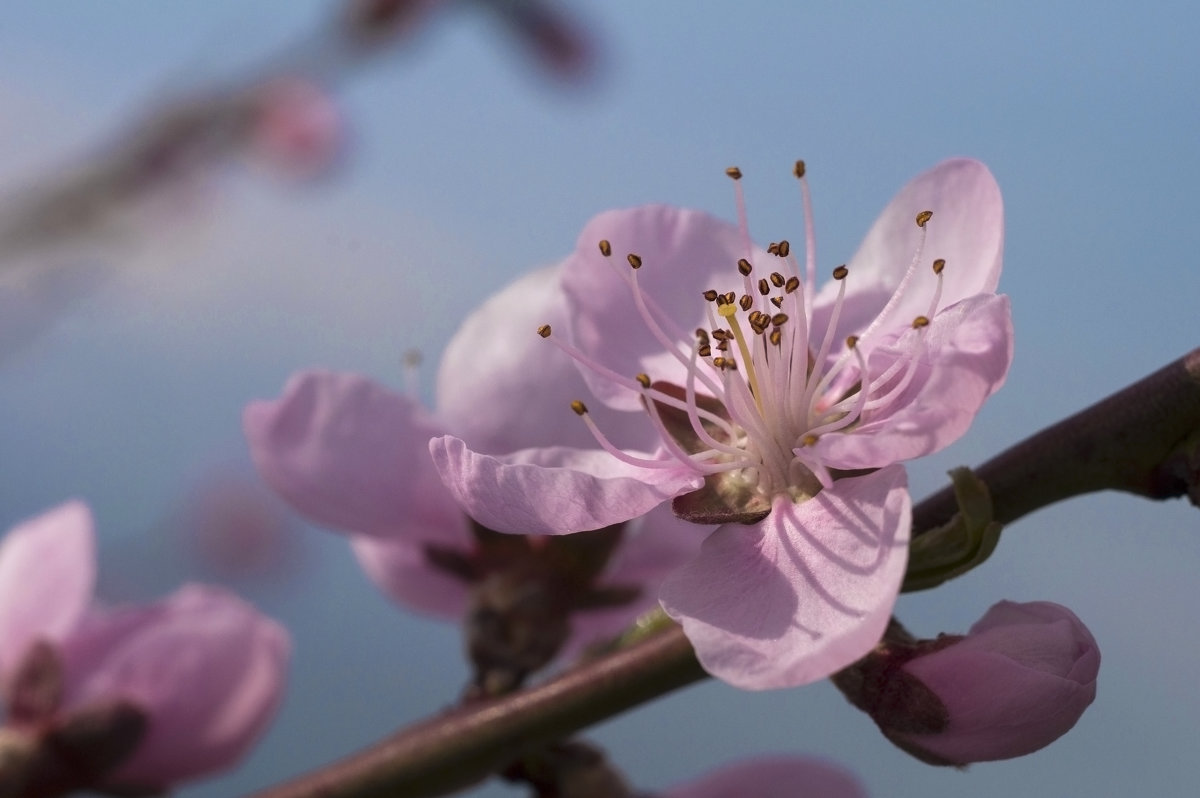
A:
(237, 527)
(1018, 681)
(773, 777)
(782, 417)
(124, 698)
(354, 456)
(299, 130)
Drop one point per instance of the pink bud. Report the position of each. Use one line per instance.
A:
(773, 777)
(205, 668)
(1017, 682)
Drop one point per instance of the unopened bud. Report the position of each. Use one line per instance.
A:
(1017, 682)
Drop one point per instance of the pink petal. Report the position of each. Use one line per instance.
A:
(967, 230)
(206, 667)
(401, 570)
(353, 456)
(554, 491)
(777, 776)
(683, 252)
(47, 574)
(501, 387)
(968, 352)
(804, 592)
(654, 546)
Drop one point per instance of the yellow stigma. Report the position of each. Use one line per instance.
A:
(729, 312)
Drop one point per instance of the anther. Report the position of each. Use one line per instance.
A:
(840, 272)
(779, 319)
(938, 265)
(923, 217)
(723, 346)
(799, 169)
(719, 362)
(777, 280)
(784, 249)
(792, 284)
(720, 335)
(744, 267)
(851, 341)
(702, 333)
(734, 172)
(579, 407)
(634, 260)
(544, 331)
(777, 301)
(764, 287)
(605, 247)
(704, 350)
(746, 301)
(809, 440)
(776, 337)
(919, 322)
(773, 248)
(730, 297)
(712, 296)
(643, 380)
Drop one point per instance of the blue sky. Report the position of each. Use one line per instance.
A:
(467, 166)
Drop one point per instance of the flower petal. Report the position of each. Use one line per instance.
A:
(773, 777)
(353, 456)
(207, 668)
(684, 252)
(501, 387)
(967, 230)
(804, 592)
(401, 569)
(968, 350)
(47, 575)
(553, 491)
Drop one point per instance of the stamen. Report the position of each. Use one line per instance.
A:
(764, 287)
(923, 217)
(740, 201)
(939, 266)
(605, 247)
(922, 220)
(634, 260)
(784, 249)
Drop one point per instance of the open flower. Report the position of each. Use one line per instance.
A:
(352, 455)
(782, 411)
(126, 698)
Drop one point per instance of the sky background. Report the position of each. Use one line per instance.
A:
(466, 165)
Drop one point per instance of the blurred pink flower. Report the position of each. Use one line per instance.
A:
(1018, 681)
(353, 456)
(773, 777)
(297, 129)
(201, 671)
(782, 417)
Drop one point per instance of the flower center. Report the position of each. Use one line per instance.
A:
(761, 385)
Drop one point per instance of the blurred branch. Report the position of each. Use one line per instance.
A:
(1144, 439)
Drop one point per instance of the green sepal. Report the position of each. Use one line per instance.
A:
(951, 550)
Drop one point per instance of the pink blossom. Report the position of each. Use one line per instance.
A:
(773, 777)
(1018, 681)
(297, 129)
(353, 456)
(782, 417)
(201, 670)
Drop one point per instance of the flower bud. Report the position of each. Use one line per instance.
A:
(1018, 681)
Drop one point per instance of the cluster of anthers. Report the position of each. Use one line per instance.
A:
(760, 387)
